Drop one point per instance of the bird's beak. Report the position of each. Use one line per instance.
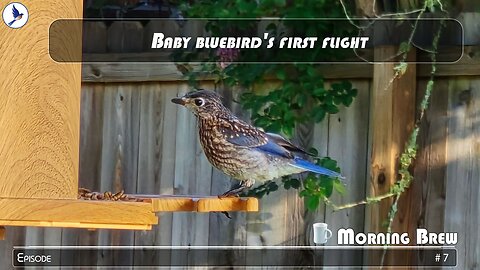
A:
(180, 101)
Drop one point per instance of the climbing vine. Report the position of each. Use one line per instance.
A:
(408, 156)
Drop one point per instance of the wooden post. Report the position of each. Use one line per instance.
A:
(39, 108)
(392, 120)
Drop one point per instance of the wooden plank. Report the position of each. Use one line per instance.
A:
(91, 128)
(468, 65)
(124, 37)
(150, 157)
(320, 140)
(227, 204)
(471, 27)
(392, 119)
(462, 202)
(76, 211)
(348, 143)
(96, 41)
(184, 168)
(426, 200)
(119, 159)
(59, 224)
(166, 172)
(40, 108)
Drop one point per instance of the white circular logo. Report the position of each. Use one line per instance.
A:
(15, 15)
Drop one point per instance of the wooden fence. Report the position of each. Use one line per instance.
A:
(134, 138)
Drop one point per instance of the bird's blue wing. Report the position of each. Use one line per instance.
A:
(287, 145)
(15, 12)
(308, 166)
(237, 132)
(274, 149)
(240, 133)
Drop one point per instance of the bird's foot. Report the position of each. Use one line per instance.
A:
(237, 189)
(87, 194)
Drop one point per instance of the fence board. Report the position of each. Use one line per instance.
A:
(319, 142)
(462, 202)
(350, 151)
(151, 129)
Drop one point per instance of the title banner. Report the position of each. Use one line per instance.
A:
(254, 40)
(300, 256)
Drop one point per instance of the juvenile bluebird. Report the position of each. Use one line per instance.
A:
(16, 15)
(240, 150)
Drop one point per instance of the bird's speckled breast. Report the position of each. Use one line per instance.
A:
(240, 162)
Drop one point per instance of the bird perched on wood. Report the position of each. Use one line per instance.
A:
(240, 150)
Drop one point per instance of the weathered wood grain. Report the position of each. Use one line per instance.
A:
(426, 200)
(392, 119)
(462, 202)
(468, 65)
(96, 42)
(39, 109)
(120, 138)
(320, 142)
(125, 37)
(76, 211)
(151, 155)
(348, 143)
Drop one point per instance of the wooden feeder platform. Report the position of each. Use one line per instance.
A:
(102, 214)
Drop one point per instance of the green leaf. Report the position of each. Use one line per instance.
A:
(346, 85)
(295, 183)
(311, 71)
(312, 202)
(319, 114)
(404, 47)
(319, 91)
(332, 109)
(328, 163)
(339, 186)
(327, 185)
(281, 74)
(288, 131)
(303, 193)
(347, 100)
(313, 151)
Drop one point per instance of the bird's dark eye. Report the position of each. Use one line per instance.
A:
(199, 102)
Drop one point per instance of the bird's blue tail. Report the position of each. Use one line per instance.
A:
(10, 23)
(308, 166)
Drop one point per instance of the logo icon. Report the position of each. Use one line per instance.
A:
(15, 15)
(321, 233)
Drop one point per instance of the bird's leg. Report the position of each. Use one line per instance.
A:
(237, 189)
